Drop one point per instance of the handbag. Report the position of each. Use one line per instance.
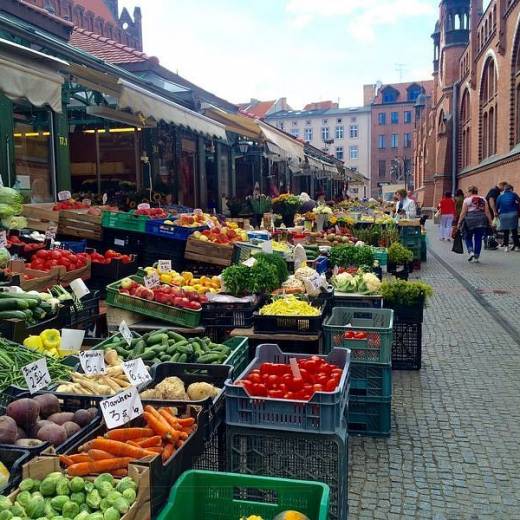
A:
(457, 244)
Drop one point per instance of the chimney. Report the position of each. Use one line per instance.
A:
(138, 28)
(369, 93)
(475, 14)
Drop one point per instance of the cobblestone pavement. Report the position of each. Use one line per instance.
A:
(453, 453)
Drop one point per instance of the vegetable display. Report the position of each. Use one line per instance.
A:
(289, 306)
(399, 255)
(187, 281)
(359, 283)
(173, 388)
(109, 256)
(281, 381)
(263, 277)
(48, 342)
(404, 292)
(28, 306)
(45, 260)
(349, 255)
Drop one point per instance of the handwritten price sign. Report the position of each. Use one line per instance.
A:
(136, 371)
(36, 375)
(92, 362)
(122, 408)
(125, 332)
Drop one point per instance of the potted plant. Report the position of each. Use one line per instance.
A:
(399, 258)
(235, 206)
(287, 205)
(322, 212)
(406, 298)
(259, 204)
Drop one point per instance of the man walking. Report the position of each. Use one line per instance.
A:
(491, 199)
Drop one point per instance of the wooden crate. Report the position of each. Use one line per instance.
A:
(208, 252)
(79, 223)
(39, 216)
(42, 280)
(409, 223)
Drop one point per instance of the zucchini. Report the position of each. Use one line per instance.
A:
(19, 296)
(39, 313)
(7, 315)
(12, 304)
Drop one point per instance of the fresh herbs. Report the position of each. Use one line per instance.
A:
(263, 277)
(401, 292)
(348, 256)
(277, 261)
(399, 255)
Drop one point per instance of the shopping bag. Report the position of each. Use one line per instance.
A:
(457, 244)
(437, 217)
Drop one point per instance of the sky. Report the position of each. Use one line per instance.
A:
(305, 50)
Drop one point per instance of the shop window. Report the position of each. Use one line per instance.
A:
(32, 149)
(308, 134)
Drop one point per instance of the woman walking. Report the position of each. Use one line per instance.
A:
(473, 221)
(507, 205)
(447, 209)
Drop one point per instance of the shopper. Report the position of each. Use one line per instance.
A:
(473, 221)
(507, 206)
(405, 206)
(459, 200)
(447, 210)
(492, 197)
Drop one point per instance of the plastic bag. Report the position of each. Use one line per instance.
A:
(457, 244)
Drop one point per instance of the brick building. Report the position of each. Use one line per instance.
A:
(468, 132)
(392, 126)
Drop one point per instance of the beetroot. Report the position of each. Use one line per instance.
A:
(82, 417)
(71, 428)
(8, 430)
(53, 433)
(25, 412)
(61, 418)
(49, 404)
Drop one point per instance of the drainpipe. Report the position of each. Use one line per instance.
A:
(454, 136)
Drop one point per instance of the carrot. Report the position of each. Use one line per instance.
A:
(168, 451)
(132, 443)
(186, 422)
(156, 449)
(127, 434)
(159, 426)
(172, 421)
(123, 472)
(179, 444)
(65, 460)
(151, 441)
(79, 457)
(120, 449)
(99, 455)
(98, 466)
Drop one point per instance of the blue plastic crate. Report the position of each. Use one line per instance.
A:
(76, 246)
(160, 229)
(370, 416)
(377, 323)
(323, 413)
(370, 380)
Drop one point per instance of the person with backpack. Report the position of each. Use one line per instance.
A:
(507, 206)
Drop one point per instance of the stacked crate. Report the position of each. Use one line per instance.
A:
(368, 333)
(411, 238)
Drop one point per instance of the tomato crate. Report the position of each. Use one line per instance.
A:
(322, 413)
(13, 460)
(235, 315)
(177, 316)
(303, 456)
(370, 416)
(288, 324)
(370, 380)
(375, 324)
(407, 346)
(221, 496)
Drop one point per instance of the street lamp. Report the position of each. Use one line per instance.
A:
(243, 146)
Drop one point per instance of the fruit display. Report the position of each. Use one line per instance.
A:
(283, 381)
(222, 234)
(45, 260)
(69, 204)
(109, 256)
(165, 294)
(153, 213)
(29, 423)
(289, 306)
(187, 281)
(26, 247)
(195, 219)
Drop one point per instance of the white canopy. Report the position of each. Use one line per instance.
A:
(149, 104)
(292, 147)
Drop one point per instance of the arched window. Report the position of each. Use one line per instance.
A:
(488, 110)
(465, 130)
(515, 80)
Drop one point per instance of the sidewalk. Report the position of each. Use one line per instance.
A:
(454, 452)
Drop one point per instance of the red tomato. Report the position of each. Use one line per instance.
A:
(255, 378)
(277, 394)
(273, 380)
(55, 254)
(296, 384)
(267, 368)
(43, 253)
(260, 390)
(317, 388)
(331, 385)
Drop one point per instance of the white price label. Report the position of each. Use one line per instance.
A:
(164, 266)
(104, 199)
(122, 408)
(92, 362)
(64, 195)
(119, 242)
(143, 205)
(79, 288)
(136, 371)
(125, 332)
(3, 239)
(267, 247)
(152, 280)
(51, 232)
(36, 375)
(316, 280)
(72, 339)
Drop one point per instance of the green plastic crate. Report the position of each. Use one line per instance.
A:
(370, 416)
(377, 323)
(381, 255)
(182, 317)
(208, 495)
(239, 358)
(125, 221)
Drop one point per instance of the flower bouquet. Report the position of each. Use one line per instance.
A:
(322, 212)
(287, 205)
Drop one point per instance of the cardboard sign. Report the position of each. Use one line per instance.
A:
(152, 280)
(136, 371)
(164, 266)
(79, 288)
(92, 362)
(125, 332)
(72, 339)
(121, 408)
(36, 375)
(64, 195)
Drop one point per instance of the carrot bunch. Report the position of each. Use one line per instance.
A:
(163, 435)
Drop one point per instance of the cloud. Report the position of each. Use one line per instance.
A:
(362, 17)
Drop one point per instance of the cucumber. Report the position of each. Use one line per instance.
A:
(156, 338)
(210, 358)
(13, 304)
(158, 349)
(175, 336)
(12, 314)
(186, 349)
(164, 357)
(19, 296)
(139, 348)
(147, 355)
(39, 313)
(175, 357)
(183, 358)
(122, 352)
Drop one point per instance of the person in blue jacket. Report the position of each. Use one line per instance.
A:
(508, 205)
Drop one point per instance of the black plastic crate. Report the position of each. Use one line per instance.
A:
(17, 330)
(288, 324)
(200, 269)
(213, 456)
(230, 315)
(407, 313)
(13, 460)
(407, 346)
(300, 456)
(83, 314)
(104, 274)
(125, 242)
(164, 249)
(190, 373)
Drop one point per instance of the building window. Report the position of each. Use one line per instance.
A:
(295, 132)
(395, 140)
(465, 130)
(394, 118)
(324, 133)
(340, 132)
(390, 95)
(407, 140)
(353, 119)
(381, 142)
(325, 121)
(354, 131)
(488, 110)
(339, 120)
(295, 123)
(516, 91)
(308, 122)
(408, 116)
(354, 152)
(414, 91)
(382, 169)
(381, 118)
(308, 134)
(339, 153)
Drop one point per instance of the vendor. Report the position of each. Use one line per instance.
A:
(405, 206)
(307, 203)
(321, 198)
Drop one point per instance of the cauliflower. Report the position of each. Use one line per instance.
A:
(372, 282)
(200, 391)
(304, 272)
(343, 282)
(171, 388)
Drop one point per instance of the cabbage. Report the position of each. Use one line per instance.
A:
(5, 257)
(7, 211)
(14, 222)
(10, 196)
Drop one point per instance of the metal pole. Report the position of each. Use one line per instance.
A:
(98, 163)
(454, 134)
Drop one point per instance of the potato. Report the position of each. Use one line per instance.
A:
(8, 430)
(82, 417)
(93, 413)
(61, 418)
(71, 428)
(25, 412)
(49, 404)
(53, 433)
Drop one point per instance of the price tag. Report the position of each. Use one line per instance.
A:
(72, 339)
(152, 280)
(104, 199)
(119, 242)
(3, 239)
(250, 262)
(79, 288)
(92, 362)
(295, 369)
(164, 266)
(136, 371)
(122, 407)
(36, 375)
(51, 232)
(143, 205)
(267, 247)
(64, 195)
(316, 280)
(210, 224)
(125, 332)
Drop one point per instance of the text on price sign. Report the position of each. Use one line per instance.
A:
(122, 407)
(36, 375)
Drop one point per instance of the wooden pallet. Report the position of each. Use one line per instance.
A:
(40, 216)
(79, 223)
(208, 252)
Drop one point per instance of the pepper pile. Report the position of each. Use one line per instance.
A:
(278, 380)
(48, 342)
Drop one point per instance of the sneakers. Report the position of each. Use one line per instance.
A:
(476, 259)
(506, 249)
(471, 256)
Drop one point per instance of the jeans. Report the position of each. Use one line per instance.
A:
(473, 239)
(514, 234)
(445, 227)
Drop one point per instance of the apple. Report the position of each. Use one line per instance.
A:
(126, 283)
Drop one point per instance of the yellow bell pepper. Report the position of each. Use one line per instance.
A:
(51, 339)
(33, 342)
